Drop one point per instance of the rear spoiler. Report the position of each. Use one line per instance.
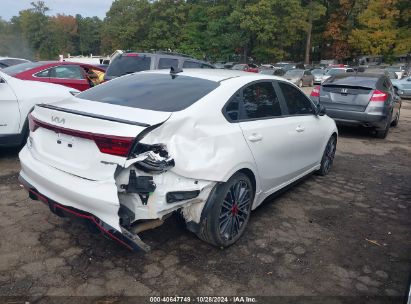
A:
(128, 122)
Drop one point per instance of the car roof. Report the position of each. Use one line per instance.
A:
(3, 58)
(217, 75)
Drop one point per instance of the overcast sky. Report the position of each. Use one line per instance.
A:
(86, 8)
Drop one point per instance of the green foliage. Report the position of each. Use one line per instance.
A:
(266, 30)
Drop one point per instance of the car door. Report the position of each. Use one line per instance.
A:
(9, 110)
(70, 76)
(304, 128)
(261, 120)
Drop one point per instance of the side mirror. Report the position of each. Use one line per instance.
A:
(321, 111)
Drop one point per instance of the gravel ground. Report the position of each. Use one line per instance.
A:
(347, 234)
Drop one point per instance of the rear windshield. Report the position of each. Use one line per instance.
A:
(127, 64)
(354, 81)
(157, 92)
(22, 67)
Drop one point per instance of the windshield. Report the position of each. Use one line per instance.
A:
(22, 67)
(157, 92)
(127, 64)
(333, 72)
(318, 72)
(294, 73)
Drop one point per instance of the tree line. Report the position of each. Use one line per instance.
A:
(265, 30)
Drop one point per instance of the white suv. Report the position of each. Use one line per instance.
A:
(211, 144)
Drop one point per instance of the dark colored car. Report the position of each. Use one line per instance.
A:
(360, 99)
(131, 62)
(70, 74)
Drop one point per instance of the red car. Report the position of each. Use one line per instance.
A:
(70, 74)
(246, 67)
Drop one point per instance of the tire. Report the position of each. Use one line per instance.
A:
(224, 220)
(382, 133)
(328, 156)
(300, 84)
(397, 119)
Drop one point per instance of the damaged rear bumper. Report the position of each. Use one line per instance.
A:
(127, 239)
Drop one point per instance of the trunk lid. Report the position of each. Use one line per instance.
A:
(345, 97)
(85, 138)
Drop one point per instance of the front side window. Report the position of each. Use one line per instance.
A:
(167, 63)
(297, 102)
(66, 72)
(260, 101)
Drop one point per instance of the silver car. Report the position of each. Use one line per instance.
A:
(300, 77)
(403, 86)
(318, 75)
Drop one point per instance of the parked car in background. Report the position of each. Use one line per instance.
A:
(403, 86)
(246, 67)
(337, 71)
(285, 65)
(399, 70)
(137, 148)
(300, 77)
(360, 99)
(130, 62)
(9, 61)
(17, 99)
(318, 75)
(70, 74)
(273, 71)
(219, 65)
(229, 65)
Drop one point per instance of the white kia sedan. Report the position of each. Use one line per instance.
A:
(210, 144)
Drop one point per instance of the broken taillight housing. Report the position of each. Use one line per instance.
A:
(157, 159)
(108, 144)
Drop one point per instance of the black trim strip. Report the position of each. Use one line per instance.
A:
(129, 122)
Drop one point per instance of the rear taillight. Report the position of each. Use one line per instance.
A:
(33, 126)
(113, 145)
(108, 144)
(378, 96)
(315, 92)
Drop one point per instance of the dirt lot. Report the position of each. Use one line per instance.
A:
(346, 234)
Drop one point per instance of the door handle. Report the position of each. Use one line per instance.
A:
(300, 129)
(255, 137)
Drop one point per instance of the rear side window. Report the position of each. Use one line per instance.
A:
(43, 74)
(297, 102)
(127, 64)
(167, 63)
(157, 92)
(253, 102)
